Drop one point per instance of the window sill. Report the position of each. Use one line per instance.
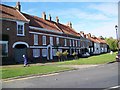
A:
(20, 35)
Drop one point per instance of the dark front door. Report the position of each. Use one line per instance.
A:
(19, 51)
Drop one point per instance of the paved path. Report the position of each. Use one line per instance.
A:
(103, 76)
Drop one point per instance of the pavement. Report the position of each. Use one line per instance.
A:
(102, 76)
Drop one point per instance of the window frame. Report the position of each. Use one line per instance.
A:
(43, 54)
(43, 40)
(36, 51)
(65, 42)
(35, 41)
(57, 40)
(51, 40)
(23, 31)
(6, 49)
(70, 42)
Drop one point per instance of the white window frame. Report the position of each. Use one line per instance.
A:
(23, 31)
(6, 49)
(76, 43)
(35, 39)
(51, 40)
(44, 52)
(65, 42)
(70, 42)
(73, 43)
(36, 53)
(44, 40)
(57, 40)
(79, 43)
(54, 52)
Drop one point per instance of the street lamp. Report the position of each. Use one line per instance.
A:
(116, 27)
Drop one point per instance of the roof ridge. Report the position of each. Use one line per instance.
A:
(8, 6)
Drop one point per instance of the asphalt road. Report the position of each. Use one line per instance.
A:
(103, 76)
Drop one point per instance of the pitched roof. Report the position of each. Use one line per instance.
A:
(50, 25)
(8, 12)
(97, 40)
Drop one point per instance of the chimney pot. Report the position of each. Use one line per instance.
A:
(70, 24)
(18, 6)
(57, 19)
(49, 18)
(44, 15)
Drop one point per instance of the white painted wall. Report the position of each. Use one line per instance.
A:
(97, 49)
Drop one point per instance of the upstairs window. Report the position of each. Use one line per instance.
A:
(20, 29)
(57, 41)
(76, 43)
(44, 40)
(65, 42)
(51, 40)
(79, 43)
(70, 42)
(35, 39)
(73, 43)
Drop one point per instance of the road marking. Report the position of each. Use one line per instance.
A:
(114, 87)
(32, 77)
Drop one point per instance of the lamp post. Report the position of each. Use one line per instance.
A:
(116, 27)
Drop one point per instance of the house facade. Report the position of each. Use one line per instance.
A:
(98, 45)
(37, 38)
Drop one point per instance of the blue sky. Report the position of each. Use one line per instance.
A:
(97, 18)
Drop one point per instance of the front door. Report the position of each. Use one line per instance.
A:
(19, 54)
(19, 51)
(49, 50)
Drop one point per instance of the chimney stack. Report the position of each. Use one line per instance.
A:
(57, 19)
(70, 24)
(89, 34)
(49, 18)
(44, 15)
(82, 33)
(18, 6)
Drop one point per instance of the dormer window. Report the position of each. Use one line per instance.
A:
(20, 29)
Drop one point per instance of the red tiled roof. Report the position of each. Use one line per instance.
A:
(98, 40)
(101, 40)
(8, 12)
(50, 25)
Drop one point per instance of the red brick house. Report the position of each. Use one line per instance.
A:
(38, 38)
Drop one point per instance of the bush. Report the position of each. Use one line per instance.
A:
(75, 55)
(59, 54)
(65, 53)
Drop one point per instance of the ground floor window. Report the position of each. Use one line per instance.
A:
(54, 52)
(4, 48)
(44, 52)
(36, 53)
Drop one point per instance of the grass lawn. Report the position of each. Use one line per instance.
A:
(9, 72)
(98, 59)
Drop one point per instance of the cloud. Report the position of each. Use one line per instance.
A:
(106, 8)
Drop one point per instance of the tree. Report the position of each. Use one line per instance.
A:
(113, 43)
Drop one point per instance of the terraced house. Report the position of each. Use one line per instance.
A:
(38, 38)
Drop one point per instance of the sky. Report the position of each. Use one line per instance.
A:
(97, 18)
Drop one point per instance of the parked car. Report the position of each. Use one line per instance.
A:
(86, 54)
(118, 56)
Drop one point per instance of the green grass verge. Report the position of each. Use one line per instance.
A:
(98, 59)
(10, 72)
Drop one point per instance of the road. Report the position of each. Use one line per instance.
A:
(102, 76)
